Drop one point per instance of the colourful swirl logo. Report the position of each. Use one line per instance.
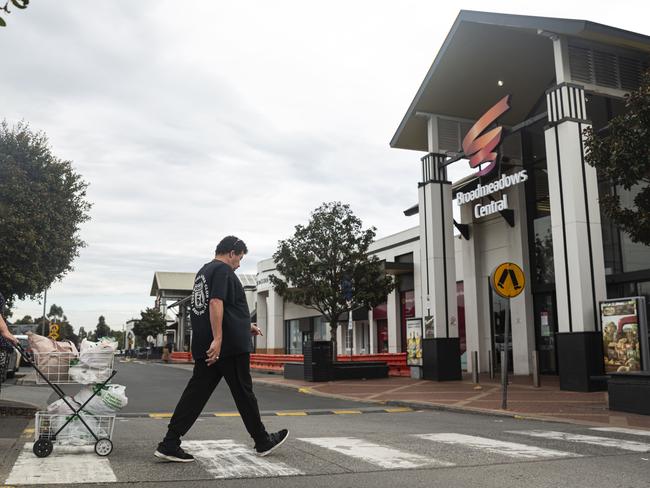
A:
(481, 148)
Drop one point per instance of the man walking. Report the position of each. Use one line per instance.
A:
(221, 347)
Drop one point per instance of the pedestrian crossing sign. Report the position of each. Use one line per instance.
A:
(508, 280)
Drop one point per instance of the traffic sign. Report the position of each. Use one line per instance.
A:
(54, 331)
(508, 280)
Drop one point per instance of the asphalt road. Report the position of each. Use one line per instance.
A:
(386, 450)
(157, 387)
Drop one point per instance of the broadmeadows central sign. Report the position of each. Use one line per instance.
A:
(506, 181)
(480, 147)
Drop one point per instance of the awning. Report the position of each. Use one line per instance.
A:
(483, 48)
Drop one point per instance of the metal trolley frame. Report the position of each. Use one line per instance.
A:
(47, 433)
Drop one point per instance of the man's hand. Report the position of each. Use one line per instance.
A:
(213, 352)
(255, 330)
(9, 336)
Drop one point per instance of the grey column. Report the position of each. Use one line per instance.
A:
(575, 213)
(438, 272)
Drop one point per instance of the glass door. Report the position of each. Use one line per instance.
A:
(498, 319)
(382, 336)
(545, 330)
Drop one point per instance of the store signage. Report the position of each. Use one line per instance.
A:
(506, 181)
(481, 148)
(624, 329)
(414, 342)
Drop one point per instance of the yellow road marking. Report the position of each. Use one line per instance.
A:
(28, 431)
(398, 409)
(160, 415)
(226, 414)
(345, 412)
(304, 390)
(290, 414)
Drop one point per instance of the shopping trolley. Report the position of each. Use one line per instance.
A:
(55, 368)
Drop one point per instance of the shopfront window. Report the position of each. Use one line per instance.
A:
(545, 330)
(460, 301)
(293, 337)
(407, 301)
(635, 255)
(538, 204)
(380, 316)
(498, 325)
(321, 329)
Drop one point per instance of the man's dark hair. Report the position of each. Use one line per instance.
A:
(231, 243)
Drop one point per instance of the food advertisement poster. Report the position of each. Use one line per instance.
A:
(620, 327)
(414, 342)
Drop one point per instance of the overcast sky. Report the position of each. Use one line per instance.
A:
(195, 120)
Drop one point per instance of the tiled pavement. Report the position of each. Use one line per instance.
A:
(547, 401)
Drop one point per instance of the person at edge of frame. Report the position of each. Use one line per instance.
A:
(7, 342)
(221, 347)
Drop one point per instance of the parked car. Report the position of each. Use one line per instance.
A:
(9, 364)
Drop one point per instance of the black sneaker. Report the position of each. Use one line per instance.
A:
(175, 454)
(274, 441)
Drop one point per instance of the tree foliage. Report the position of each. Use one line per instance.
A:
(319, 258)
(622, 156)
(20, 4)
(102, 329)
(42, 204)
(152, 322)
(66, 331)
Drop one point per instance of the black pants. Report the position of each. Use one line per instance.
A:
(236, 371)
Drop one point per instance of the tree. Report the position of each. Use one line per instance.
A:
(66, 331)
(622, 156)
(102, 330)
(21, 4)
(56, 312)
(152, 322)
(82, 333)
(327, 257)
(27, 319)
(42, 204)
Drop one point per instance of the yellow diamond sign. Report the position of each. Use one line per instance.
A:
(508, 280)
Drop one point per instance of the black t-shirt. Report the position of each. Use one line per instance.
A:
(217, 280)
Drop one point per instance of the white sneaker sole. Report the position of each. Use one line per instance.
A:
(266, 453)
(173, 459)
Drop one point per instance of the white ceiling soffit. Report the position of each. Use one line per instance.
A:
(483, 48)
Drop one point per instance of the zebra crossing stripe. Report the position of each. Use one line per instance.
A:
(66, 465)
(382, 456)
(623, 430)
(228, 459)
(510, 449)
(586, 439)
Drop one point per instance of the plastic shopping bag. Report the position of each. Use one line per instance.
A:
(108, 401)
(99, 354)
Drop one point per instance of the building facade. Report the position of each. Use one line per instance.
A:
(507, 97)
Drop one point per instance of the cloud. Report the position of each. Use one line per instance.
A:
(195, 120)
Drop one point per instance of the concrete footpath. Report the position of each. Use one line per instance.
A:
(547, 402)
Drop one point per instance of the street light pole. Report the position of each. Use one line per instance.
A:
(44, 304)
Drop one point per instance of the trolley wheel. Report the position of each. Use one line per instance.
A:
(103, 447)
(43, 448)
